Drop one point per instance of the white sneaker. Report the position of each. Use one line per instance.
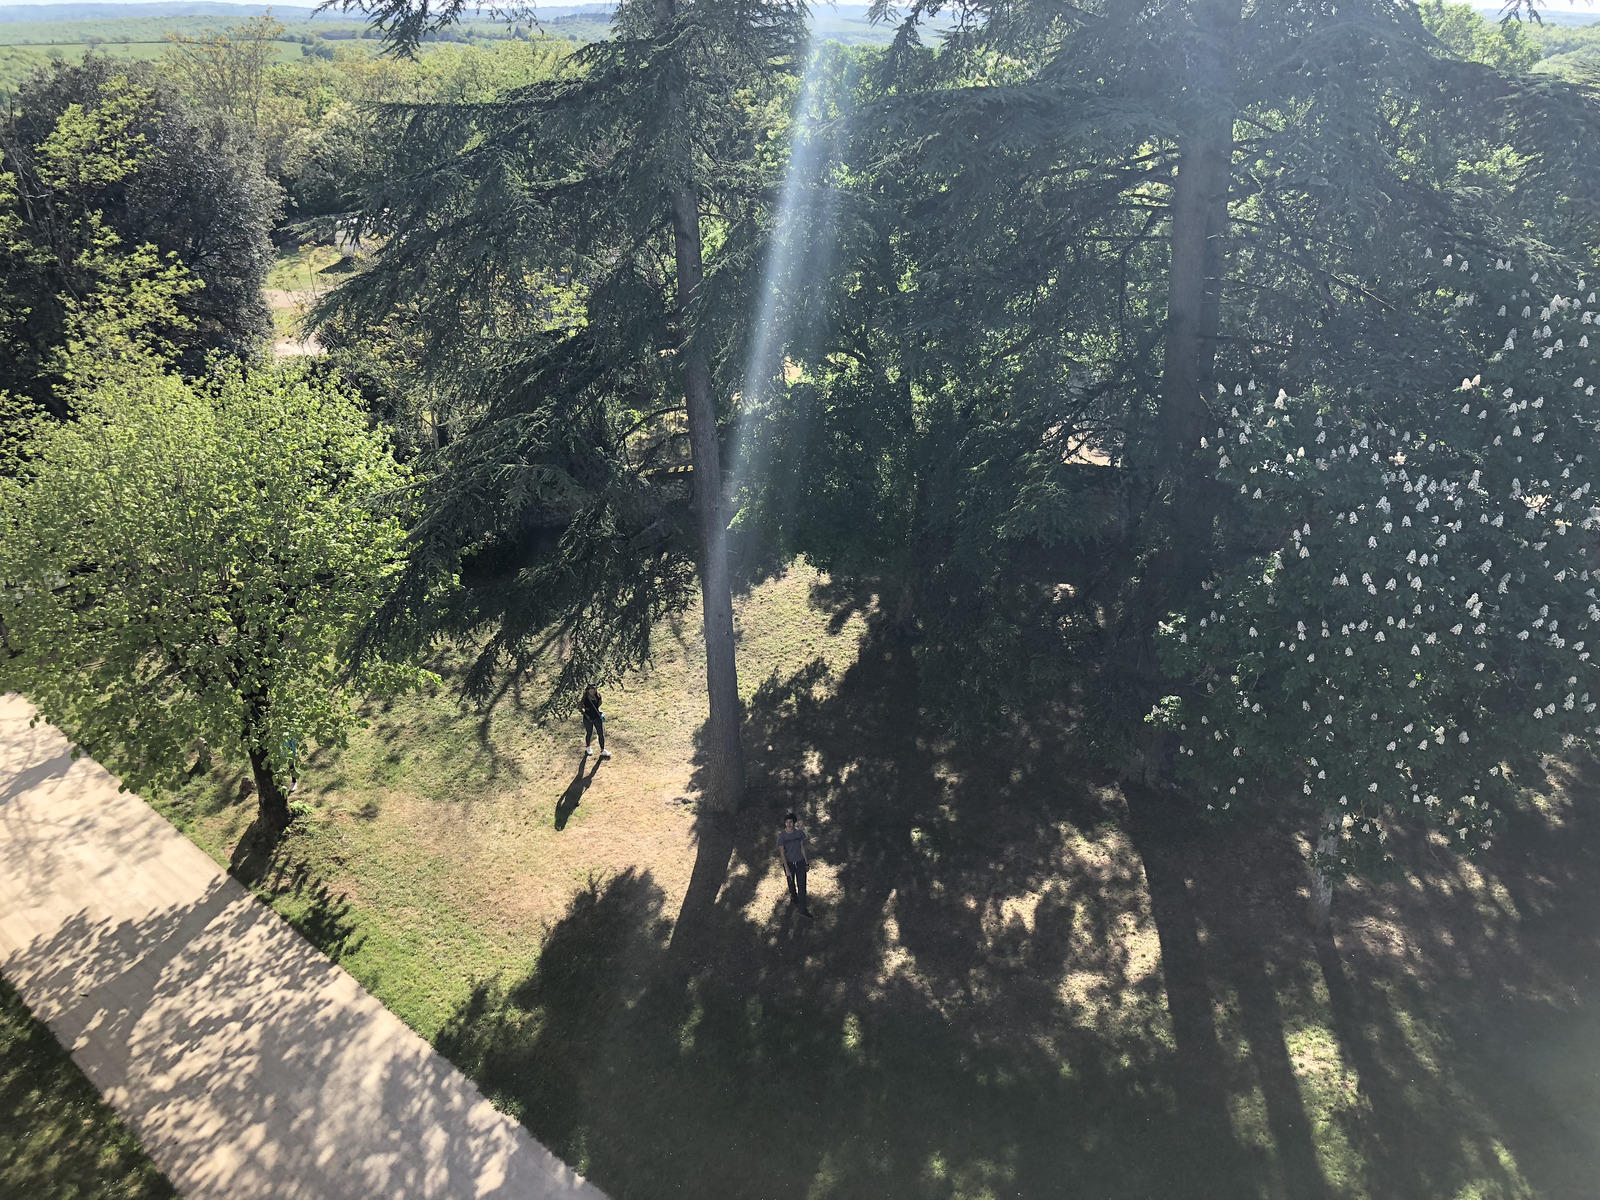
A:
(605, 754)
(588, 751)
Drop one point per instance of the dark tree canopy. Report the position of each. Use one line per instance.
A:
(193, 192)
(993, 425)
(993, 283)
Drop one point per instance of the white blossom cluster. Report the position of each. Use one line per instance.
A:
(1424, 627)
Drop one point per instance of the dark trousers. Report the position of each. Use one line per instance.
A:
(591, 726)
(797, 882)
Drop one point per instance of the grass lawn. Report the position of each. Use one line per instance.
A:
(1024, 979)
(301, 270)
(58, 1139)
(297, 280)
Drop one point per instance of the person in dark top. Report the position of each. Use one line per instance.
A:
(594, 721)
(792, 852)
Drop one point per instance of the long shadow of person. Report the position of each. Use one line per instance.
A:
(570, 798)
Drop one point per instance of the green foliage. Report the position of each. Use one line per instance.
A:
(191, 560)
(1570, 51)
(525, 271)
(19, 63)
(226, 72)
(107, 178)
(325, 133)
(28, 46)
(1463, 32)
(979, 311)
(1402, 631)
(120, 303)
(59, 1138)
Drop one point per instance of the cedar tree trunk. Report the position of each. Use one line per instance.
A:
(1199, 230)
(1321, 885)
(724, 752)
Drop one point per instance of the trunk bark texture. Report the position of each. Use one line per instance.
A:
(724, 752)
(1321, 885)
(1199, 232)
(272, 805)
(1194, 285)
(723, 749)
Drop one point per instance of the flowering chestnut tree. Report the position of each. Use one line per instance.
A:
(1413, 623)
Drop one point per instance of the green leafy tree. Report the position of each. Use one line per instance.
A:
(119, 302)
(1465, 34)
(1570, 51)
(326, 131)
(98, 160)
(191, 560)
(1409, 618)
(226, 70)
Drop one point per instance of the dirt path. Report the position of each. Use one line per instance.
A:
(248, 1063)
(289, 345)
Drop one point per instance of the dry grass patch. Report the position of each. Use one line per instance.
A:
(472, 831)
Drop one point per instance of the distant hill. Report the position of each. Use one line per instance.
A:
(13, 13)
(87, 10)
(87, 20)
(286, 13)
(34, 35)
(1579, 17)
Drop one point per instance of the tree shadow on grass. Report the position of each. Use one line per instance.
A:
(423, 731)
(1447, 1002)
(265, 862)
(660, 1085)
(734, 1051)
(1022, 981)
(1499, 958)
(58, 1137)
(256, 852)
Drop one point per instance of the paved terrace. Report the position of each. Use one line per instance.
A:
(249, 1064)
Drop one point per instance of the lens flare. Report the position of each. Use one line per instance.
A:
(798, 251)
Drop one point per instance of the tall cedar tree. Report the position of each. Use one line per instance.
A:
(552, 248)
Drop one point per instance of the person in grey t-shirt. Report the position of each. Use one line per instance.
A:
(792, 853)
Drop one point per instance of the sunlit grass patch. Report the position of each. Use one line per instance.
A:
(301, 269)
